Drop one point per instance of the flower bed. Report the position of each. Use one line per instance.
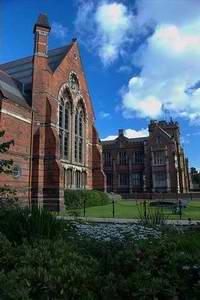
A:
(108, 232)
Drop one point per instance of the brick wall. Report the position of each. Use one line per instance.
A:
(15, 120)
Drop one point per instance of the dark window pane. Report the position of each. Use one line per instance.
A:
(124, 179)
(76, 123)
(61, 111)
(66, 118)
(61, 143)
(123, 158)
(81, 124)
(76, 149)
(80, 150)
(107, 158)
(66, 146)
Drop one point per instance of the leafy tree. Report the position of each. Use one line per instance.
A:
(7, 195)
(5, 165)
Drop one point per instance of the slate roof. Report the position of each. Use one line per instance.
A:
(21, 69)
(12, 89)
(17, 75)
(130, 140)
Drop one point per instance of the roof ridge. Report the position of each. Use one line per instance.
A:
(30, 56)
(164, 132)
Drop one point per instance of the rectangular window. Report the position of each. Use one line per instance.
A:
(160, 179)
(68, 178)
(76, 149)
(109, 178)
(61, 115)
(66, 119)
(80, 150)
(136, 179)
(76, 123)
(84, 179)
(107, 158)
(78, 182)
(138, 157)
(66, 146)
(159, 157)
(124, 179)
(123, 159)
(61, 143)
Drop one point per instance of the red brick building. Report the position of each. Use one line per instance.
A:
(151, 164)
(45, 107)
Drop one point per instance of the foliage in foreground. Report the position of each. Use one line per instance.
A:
(7, 195)
(53, 266)
(24, 223)
(76, 199)
(149, 216)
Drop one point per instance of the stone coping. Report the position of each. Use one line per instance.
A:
(127, 221)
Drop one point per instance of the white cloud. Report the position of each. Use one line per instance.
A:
(104, 115)
(125, 69)
(113, 24)
(169, 58)
(107, 28)
(178, 12)
(170, 64)
(59, 31)
(130, 133)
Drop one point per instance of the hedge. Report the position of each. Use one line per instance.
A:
(75, 198)
(165, 269)
(54, 266)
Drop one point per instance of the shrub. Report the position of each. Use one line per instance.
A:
(45, 270)
(88, 269)
(75, 199)
(23, 223)
(150, 216)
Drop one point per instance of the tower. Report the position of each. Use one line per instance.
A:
(46, 170)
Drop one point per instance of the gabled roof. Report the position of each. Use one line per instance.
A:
(11, 89)
(129, 140)
(21, 69)
(16, 76)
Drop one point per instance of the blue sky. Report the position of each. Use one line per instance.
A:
(141, 58)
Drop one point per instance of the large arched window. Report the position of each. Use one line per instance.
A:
(79, 134)
(65, 125)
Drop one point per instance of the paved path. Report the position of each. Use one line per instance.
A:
(121, 221)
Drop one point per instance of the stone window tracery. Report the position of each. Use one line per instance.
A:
(73, 83)
(64, 126)
(72, 133)
(79, 134)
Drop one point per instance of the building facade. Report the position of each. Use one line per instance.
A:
(151, 164)
(45, 107)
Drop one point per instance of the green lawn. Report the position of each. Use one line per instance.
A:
(127, 209)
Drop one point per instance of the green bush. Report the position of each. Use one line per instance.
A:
(150, 216)
(24, 223)
(45, 270)
(94, 270)
(37, 261)
(75, 199)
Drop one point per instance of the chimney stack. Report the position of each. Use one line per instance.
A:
(41, 31)
(121, 132)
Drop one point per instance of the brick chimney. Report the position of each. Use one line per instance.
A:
(41, 71)
(41, 31)
(121, 132)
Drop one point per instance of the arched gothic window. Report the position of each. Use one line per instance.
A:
(64, 126)
(79, 134)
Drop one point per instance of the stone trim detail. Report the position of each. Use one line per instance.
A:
(16, 116)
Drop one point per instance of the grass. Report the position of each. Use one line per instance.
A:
(126, 209)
